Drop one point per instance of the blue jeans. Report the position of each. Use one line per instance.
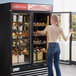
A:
(53, 53)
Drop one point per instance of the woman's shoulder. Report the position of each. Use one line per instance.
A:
(49, 26)
(61, 29)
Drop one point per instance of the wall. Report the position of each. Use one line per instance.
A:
(58, 5)
(29, 1)
(70, 5)
(64, 5)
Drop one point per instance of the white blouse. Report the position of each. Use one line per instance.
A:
(54, 32)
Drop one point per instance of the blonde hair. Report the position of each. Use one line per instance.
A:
(55, 18)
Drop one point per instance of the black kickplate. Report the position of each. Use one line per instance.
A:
(35, 72)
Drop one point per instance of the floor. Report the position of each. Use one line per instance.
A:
(68, 70)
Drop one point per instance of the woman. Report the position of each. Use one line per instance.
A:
(54, 49)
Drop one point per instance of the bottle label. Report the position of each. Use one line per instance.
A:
(40, 56)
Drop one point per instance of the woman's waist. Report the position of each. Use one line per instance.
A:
(52, 40)
(53, 44)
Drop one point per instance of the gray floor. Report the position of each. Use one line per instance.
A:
(67, 70)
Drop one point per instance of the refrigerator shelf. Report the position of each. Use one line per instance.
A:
(39, 26)
(39, 35)
(22, 63)
(27, 38)
(20, 46)
(40, 61)
(24, 38)
(39, 43)
(17, 31)
(20, 38)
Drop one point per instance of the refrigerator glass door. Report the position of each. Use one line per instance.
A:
(74, 36)
(41, 20)
(64, 22)
(20, 38)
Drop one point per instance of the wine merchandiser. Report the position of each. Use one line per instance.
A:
(21, 49)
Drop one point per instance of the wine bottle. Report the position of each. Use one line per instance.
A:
(26, 34)
(20, 34)
(44, 50)
(20, 28)
(14, 35)
(14, 18)
(14, 26)
(26, 26)
(34, 24)
(20, 18)
(26, 52)
(14, 43)
(39, 55)
(15, 51)
(35, 54)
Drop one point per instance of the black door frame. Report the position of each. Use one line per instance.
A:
(70, 40)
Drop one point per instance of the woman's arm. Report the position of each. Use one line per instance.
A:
(68, 36)
(42, 32)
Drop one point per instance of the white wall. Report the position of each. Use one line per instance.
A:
(70, 5)
(29, 1)
(64, 44)
(58, 5)
(64, 5)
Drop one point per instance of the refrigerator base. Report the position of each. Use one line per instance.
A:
(35, 72)
(19, 68)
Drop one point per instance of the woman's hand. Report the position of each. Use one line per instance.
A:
(37, 32)
(70, 31)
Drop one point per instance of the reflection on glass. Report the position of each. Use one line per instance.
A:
(21, 39)
(74, 27)
(40, 41)
(59, 18)
(64, 22)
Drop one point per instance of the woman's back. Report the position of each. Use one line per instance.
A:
(54, 30)
(53, 33)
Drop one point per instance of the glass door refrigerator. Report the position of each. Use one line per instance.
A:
(21, 38)
(17, 39)
(40, 43)
(21, 49)
(73, 38)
